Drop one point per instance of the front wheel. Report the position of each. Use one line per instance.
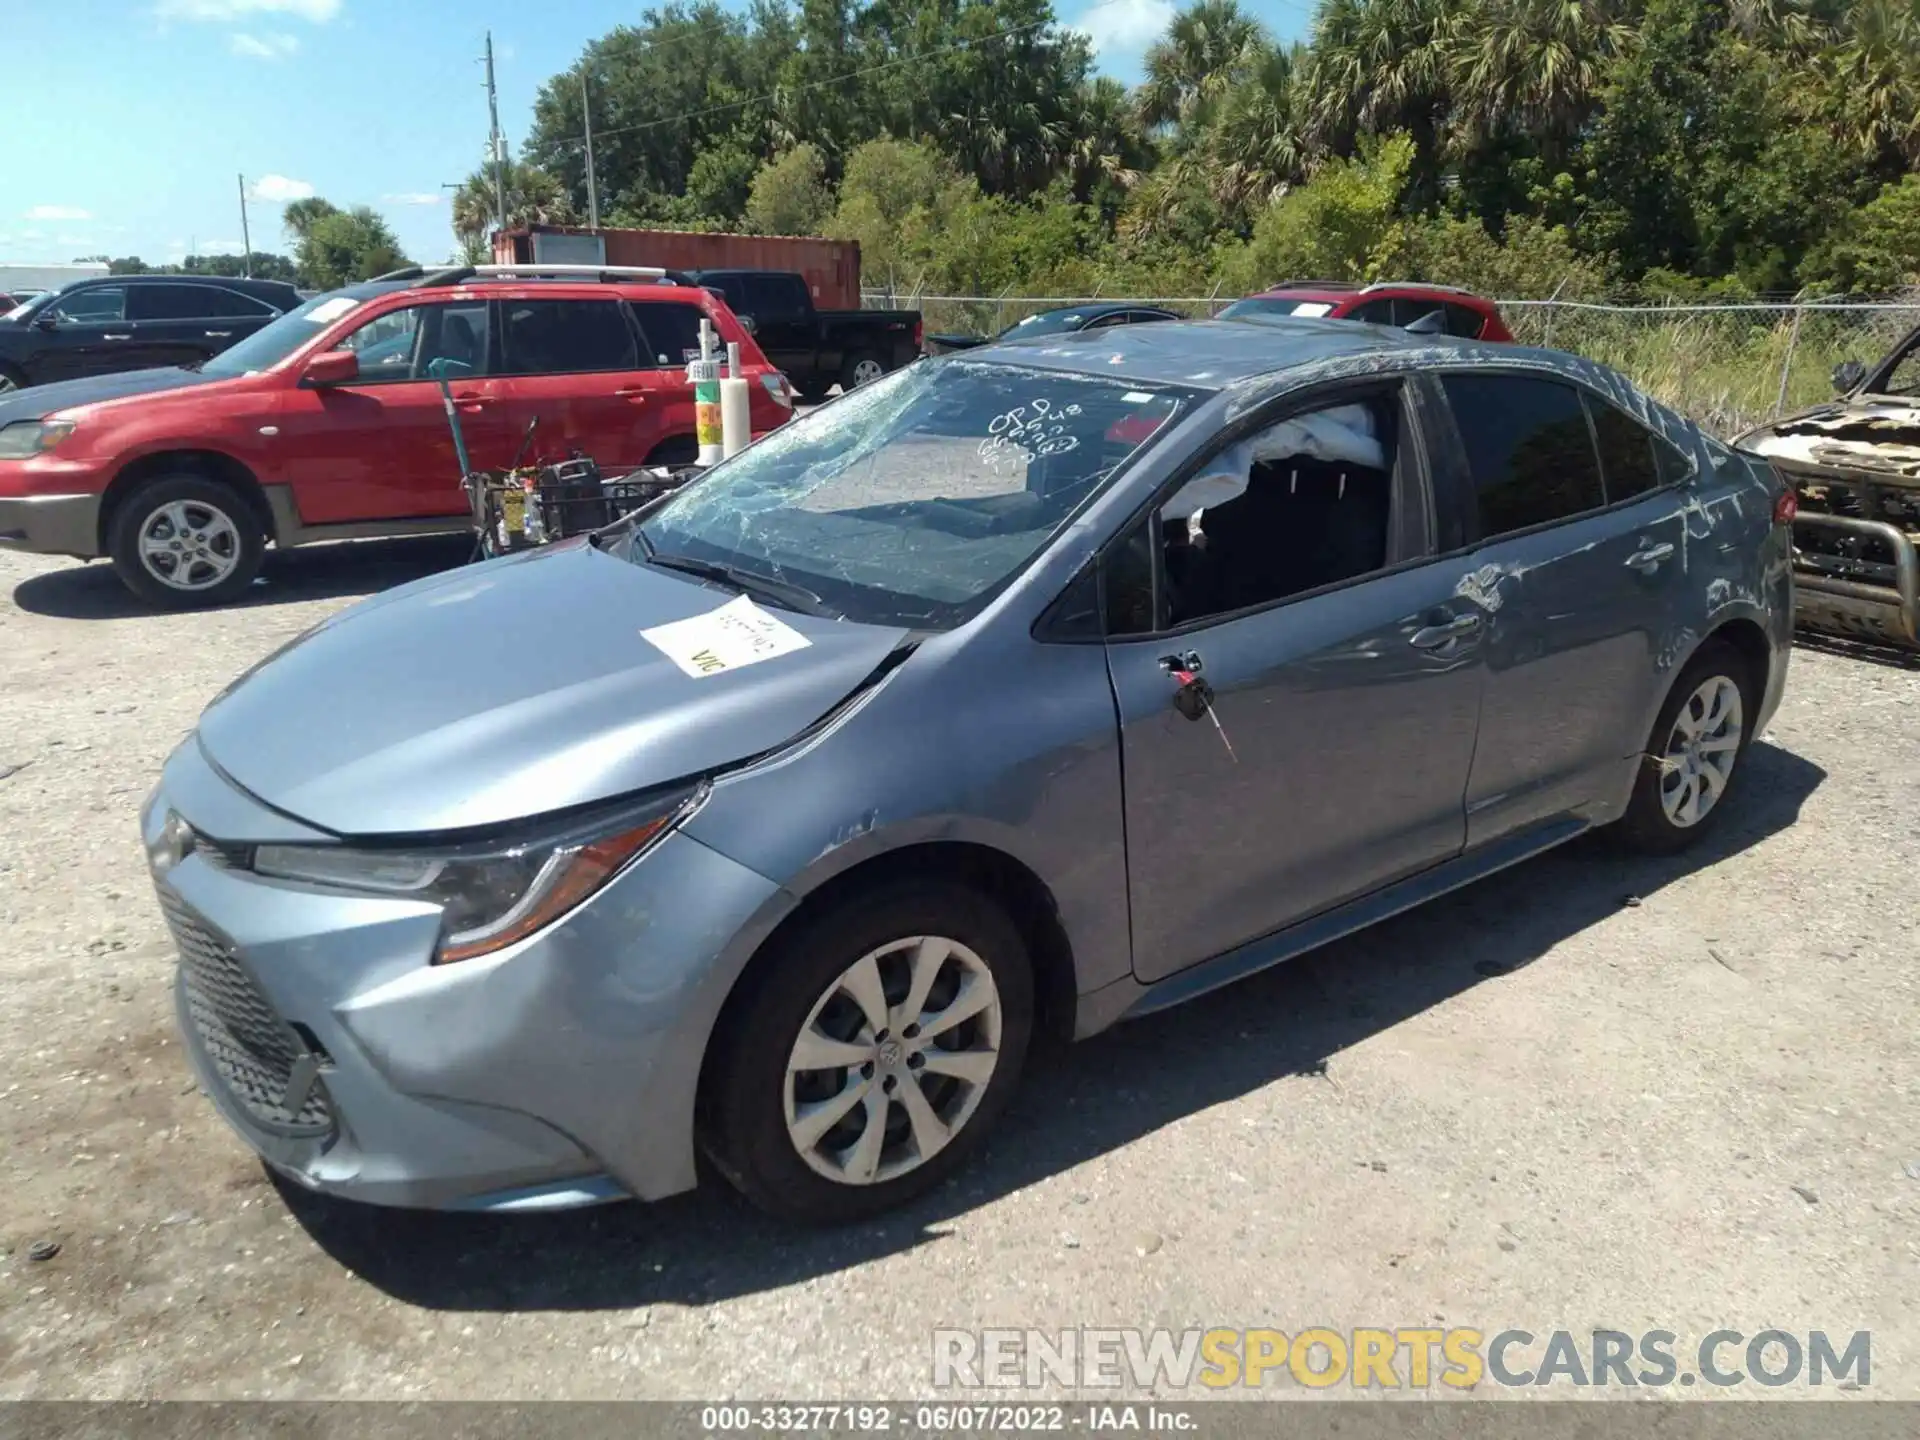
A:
(874, 1054)
(1698, 742)
(185, 540)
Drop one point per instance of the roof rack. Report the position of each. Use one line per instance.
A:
(1413, 284)
(603, 274)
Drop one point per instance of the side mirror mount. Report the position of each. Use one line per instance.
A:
(332, 367)
(1848, 375)
(747, 323)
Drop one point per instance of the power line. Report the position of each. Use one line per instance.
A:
(576, 140)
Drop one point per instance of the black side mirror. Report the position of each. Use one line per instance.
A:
(1434, 322)
(1848, 375)
(747, 323)
(46, 320)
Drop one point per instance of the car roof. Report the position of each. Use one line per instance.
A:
(1206, 354)
(1337, 291)
(266, 289)
(642, 290)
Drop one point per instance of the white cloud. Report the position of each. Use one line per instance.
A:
(59, 212)
(318, 12)
(1124, 27)
(413, 197)
(263, 47)
(279, 190)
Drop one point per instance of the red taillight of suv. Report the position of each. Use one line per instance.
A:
(919, 334)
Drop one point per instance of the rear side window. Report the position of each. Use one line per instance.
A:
(1633, 460)
(776, 295)
(1465, 321)
(730, 288)
(563, 337)
(1528, 450)
(1374, 312)
(191, 302)
(672, 330)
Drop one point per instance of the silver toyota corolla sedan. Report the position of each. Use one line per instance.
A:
(1042, 687)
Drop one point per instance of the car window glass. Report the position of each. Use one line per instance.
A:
(402, 344)
(730, 288)
(784, 295)
(1304, 503)
(100, 304)
(1408, 309)
(1126, 578)
(560, 337)
(222, 303)
(1465, 321)
(1373, 312)
(1107, 322)
(672, 330)
(1905, 378)
(1633, 460)
(168, 302)
(1528, 450)
(910, 501)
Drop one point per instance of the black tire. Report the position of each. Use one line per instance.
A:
(744, 1121)
(677, 450)
(850, 371)
(245, 547)
(1647, 827)
(11, 379)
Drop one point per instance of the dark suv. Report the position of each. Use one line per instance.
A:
(133, 322)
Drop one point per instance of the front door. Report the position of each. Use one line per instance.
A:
(380, 447)
(1340, 680)
(1579, 594)
(89, 334)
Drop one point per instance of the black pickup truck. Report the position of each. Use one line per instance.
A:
(816, 349)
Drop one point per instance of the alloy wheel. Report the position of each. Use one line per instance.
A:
(189, 545)
(865, 372)
(893, 1060)
(1701, 751)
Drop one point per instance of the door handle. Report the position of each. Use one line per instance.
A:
(1432, 637)
(219, 334)
(472, 404)
(1650, 559)
(634, 397)
(116, 337)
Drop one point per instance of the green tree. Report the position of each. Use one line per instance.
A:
(343, 246)
(789, 196)
(1343, 224)
(1876, 249)
(301, 215)
(534, 197)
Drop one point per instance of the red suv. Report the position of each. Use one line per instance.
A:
(1398, 303)
(327, 424)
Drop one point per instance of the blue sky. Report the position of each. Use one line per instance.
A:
(125, 124)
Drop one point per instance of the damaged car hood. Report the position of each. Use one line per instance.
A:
(513, 689)
(1875, 435)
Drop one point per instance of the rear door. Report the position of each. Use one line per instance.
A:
(571, 370)
(90, 335)
(1577, 584)
(185, 322)
(380, 448)
(670, 336)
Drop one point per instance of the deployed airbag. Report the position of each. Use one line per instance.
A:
(1342, 433)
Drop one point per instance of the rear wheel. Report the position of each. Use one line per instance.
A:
(11, 380)
(874, 1055)
(1695, 750)
(862, 368)
(184, 540)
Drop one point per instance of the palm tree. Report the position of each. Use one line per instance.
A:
(1381, 65)
(1105, 142)
(1534, 67)
(1257, 146)
(534, 197)
(1206, 50)
(1878, 64)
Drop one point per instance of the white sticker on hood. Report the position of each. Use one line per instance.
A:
(738, 633)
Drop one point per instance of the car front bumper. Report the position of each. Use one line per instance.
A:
(51, 524)
(561, 1071)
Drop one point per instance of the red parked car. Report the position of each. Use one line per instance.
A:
(327, 424)
(1398, 303)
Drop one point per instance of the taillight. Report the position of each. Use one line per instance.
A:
(777, 386)
(919, 333)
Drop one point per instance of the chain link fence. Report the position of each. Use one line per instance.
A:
(1728, 366)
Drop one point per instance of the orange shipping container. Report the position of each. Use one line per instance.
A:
(831, 267)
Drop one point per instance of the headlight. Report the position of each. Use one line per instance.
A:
(26, 438)
(490, 895)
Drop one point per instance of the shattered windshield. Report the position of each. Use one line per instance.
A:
(911, 500)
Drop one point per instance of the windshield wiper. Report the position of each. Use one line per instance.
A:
(780, 592)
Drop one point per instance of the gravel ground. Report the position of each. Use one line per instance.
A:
(1538, 1104)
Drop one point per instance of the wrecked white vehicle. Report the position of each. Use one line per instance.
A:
(1854, 464)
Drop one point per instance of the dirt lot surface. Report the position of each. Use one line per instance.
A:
(1592, 1092)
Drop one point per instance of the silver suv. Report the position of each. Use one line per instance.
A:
(1046, 686)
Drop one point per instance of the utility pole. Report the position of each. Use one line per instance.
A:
(497, 145)
(593, 188)
(246, 235)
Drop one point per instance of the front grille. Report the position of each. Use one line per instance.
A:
(251, 1048)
